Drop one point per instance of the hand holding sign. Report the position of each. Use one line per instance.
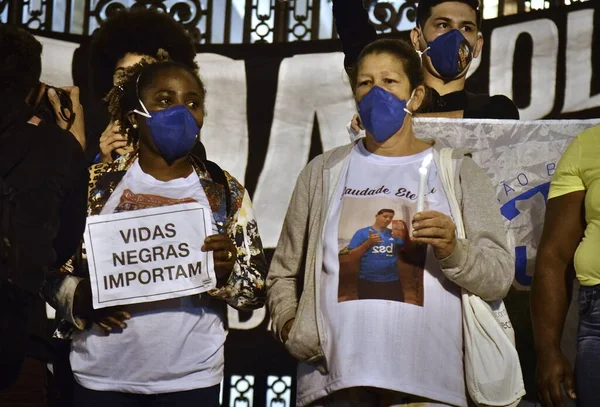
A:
(224, 254)
(153, 254)
(106, 318)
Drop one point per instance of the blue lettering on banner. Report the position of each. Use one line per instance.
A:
(509, 211)
(520, 178)
(507, 188)
(550, 168)
(521, 266)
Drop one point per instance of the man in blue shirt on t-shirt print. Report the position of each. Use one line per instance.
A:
(378, 247)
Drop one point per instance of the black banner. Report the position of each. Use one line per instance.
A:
(272, 107)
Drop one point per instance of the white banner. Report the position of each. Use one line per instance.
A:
(149, 255)
(520, 158)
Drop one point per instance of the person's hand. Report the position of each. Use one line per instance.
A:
(399, 231)
(285, 332)
(112, 140)
(106, 318)
(78, 127)
(224, 254)
(436, 229)
(553, 369)
(124, 150)
(357, 124)
(374, 238)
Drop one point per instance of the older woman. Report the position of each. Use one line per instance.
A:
(386, 350)
(167, 352)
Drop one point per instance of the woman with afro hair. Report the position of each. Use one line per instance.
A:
(169, 352)
(126, 38)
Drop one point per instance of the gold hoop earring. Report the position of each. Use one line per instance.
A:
(135, 126)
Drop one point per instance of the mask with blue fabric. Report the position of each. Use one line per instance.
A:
(450, 54)
(174, 130)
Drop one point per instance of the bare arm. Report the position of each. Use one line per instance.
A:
(564, 225)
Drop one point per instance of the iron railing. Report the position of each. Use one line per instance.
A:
(236, 21)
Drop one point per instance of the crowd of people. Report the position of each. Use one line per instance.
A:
(365, 290)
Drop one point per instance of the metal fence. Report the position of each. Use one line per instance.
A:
(237, 21)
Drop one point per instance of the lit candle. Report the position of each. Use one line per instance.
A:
(423, 173)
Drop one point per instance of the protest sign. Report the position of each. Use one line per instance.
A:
(149, 255)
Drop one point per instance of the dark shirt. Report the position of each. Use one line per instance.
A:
(356, 32)
(474, 106)
(47, 168)
(353, 27)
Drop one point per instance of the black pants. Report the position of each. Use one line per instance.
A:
(208, 397)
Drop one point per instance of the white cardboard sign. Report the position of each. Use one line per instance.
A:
(149, 255)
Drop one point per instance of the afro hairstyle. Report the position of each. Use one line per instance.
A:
(138, 31)
(20, 64)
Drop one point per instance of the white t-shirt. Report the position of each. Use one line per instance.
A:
(392, 320)
(168, 346)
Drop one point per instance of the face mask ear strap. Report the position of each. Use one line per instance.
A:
(423, 52)
(426, 48)
(409, 100)
(145, 113)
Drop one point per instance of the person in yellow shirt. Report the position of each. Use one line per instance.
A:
(571, 238)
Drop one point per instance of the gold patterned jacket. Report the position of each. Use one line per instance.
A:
(245, 288)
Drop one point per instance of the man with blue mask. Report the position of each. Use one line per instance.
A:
(448, 38)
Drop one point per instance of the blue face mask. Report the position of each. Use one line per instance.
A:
(174, 131)
(450, 54)
(382, 113)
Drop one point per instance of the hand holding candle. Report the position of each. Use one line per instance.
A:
(436, 229)
(423, 175)
(431, 227)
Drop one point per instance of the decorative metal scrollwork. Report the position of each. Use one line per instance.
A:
(244, 387)
(187, 12)
(387, 17)
(264, 27)
(279, 388)
(281, 21)
(36, 18)
(301, 28)
(265, 21)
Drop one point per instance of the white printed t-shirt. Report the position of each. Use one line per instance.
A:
(392, 320)
(167, 346)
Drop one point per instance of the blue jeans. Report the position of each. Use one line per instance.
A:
(208, 397)
(587, 364)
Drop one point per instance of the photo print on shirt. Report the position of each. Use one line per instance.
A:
(133, 202)
(378, 260)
